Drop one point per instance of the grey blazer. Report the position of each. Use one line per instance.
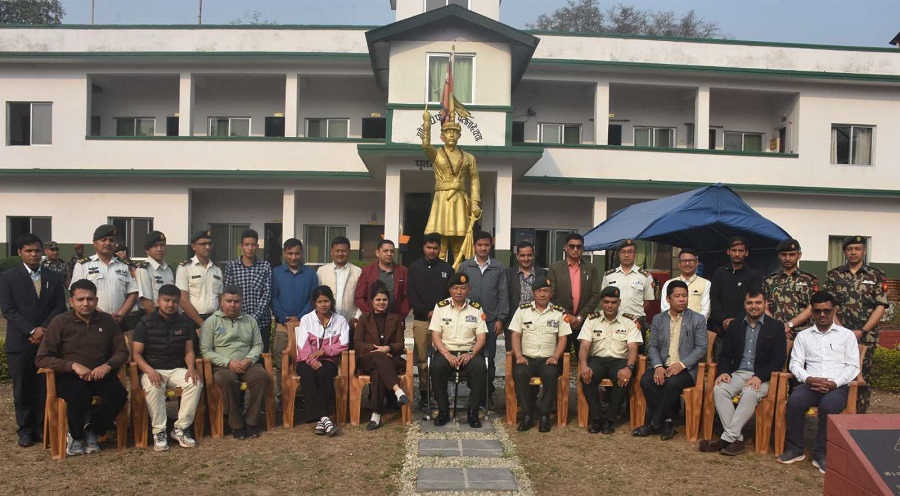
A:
(691, 346)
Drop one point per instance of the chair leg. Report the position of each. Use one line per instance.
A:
(355, 400)
(512, 402)
(562, 400)
(62, 429)
(288, 402)
(199, 418)
(582, 406)
(780, 421)
(270, 408)
(139, 418)
(122, 429)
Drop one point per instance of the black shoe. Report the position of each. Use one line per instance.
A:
(544, 425)
(526, 423)
(373, 425)
(25, 440)
(402, 400)
(240, 433)
(645, 430)
(442, 419)
(734, 449)
(609, 427)
(707, 446)
(595, 427)
(474, 421)
(252, 431)
(668, 430)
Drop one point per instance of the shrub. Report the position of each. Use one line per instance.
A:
(4, 369)
(886, 369)
(8, 262)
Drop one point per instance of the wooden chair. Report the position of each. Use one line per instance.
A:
(633, 419)
(290, 382)
(358, 381)
(140, 419)
(217, 408)
(562, 391)
(56, 424)
(781, 398)
(765, 410)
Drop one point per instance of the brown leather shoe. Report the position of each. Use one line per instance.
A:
(734, 449)
(708, 446)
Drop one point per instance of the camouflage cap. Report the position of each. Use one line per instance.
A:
(51, 245)
(624, 243)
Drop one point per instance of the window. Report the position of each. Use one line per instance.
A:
(654, 137)
(229, 126)
(463, 76)
(712, 139)
(172, 126)
(374, 127)
(518, 132)
(29, 123)
(743, 142)
(436, 4)
(836, 251)
(226, 239)
(327, 128)
(317, 242)
(569, 134)
(135, 126)
(132, 231)
(275, 126)
(17, 226)
(614, 135)
(851, 145)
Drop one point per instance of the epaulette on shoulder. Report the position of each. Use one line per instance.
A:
(524, 305)
(594, 315)
(877, 271)
(184, 262)
(774, 274)
(143, 265)
(608, 272)
(443, 303)
(559, 308)
(84, 260)
(643, 272)
(475, 304)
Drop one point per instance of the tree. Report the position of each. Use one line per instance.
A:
(255, 20)
(31, 11)
(585, 16)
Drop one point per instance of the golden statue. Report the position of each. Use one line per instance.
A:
(453, 210)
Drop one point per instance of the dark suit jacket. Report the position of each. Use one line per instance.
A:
(366, 337)
(513, 287)
(561, 287)
(22, 308)
(691, 343)
(370, 274)
(770, 348)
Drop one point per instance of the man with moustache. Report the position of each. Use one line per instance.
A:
(117, 291)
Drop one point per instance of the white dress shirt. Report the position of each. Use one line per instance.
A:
(833, 354)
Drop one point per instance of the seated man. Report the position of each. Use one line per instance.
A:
(676, 346)
(609, 350)
(231, 341)
(825, 358)
(751, 352)
(85, 348)
(539, 332)
(458, 332)
(164, 351)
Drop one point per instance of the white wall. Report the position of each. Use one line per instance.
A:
(563, 103)
(134, 96)
(746, 111)
(236, 206)
(339, 208)
(552, 212)
(656, 106)
(346, 97)
(256, 97)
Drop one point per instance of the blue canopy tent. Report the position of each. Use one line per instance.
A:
(703, 219)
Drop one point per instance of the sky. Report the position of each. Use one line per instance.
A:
(828, 22)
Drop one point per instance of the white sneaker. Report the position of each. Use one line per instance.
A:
(92, 445)
(159, 441)
(73, 447)
(183, 437)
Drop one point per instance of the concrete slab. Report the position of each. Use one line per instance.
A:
(461, 479)
(454, 427)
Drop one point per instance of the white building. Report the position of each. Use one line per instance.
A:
(311, 131)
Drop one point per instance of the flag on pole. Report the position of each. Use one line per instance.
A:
(450, 106)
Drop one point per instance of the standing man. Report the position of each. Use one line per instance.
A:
(487, 283)
(79, 254)
(116, 290)
(292, 287)
(393, 275)
(341, 276)
(575, 284)
(254, 277)
(861, 294)
(85, 348)
(30, 297)
(53, 262)
(636, 284)
(200, 280)
(609, 350)
(754, 350)
(153, 273)
(729, 285)
(519, 281)
(539, 331)
(163, 349)
(824, 360)
(788, 290)
(428, 278)
(677, 345)
(698, 287)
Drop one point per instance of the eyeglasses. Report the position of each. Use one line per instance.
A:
(688, 261)
(575, 247)
(53, 249)
(206, 243)
(824, 311)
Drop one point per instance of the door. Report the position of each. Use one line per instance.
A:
(518, 132)
(275, 126)
(415, 217)
(374, 127)
(274, 240)
(782, 139)
(369, 236)
(712, 139)
(614, 135)
(172, 126)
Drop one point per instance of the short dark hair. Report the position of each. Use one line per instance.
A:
(169, 290)
(28, 239)
(291, 243)
(384, 242)
(688, 251)
(249, 233)
(84, 284)
(675, 284)
(379, 287)
(755, 291)
(524, 244)
(233, 289)
(482, 235)
(340, 240)
(822, 297)
(322, 291)
(575, 236)
(122, 248)
(431, 238)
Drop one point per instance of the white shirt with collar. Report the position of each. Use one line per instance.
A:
(833, 355)
(482, 267)
(114, 282)
(203, 283)
(150, 276)
(698, 294)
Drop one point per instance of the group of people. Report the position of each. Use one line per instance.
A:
(601, 317)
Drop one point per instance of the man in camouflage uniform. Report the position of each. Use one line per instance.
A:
(53, 262)
(789, 289)
(861, 292)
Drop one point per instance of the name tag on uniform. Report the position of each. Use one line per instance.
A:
(868, 282)
(553, 323)
(802, 283)
(447, 321)
(217, 277)
(598, 332)
(158, 279)
(196, 277)
(471, 318)
(621, 331)
(93, 270)
(638, 284)
(121, 272)
(612, 283)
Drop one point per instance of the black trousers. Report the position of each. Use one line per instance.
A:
(801, 398)
(548, 374)
(604, 368)
(79, 396)
(29, 393)
(318, 388)
(382, 372)
(441, 372)
(664, 402)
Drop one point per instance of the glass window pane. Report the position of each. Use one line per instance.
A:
(314, 128)
(462, 79)
(220, 233)
(437, 72)
(333, 232)
(841, 144)
(862, 145)
(753, 143)
(145, 127)
(19, 122)
(733, 141)
(41, 123)
(664, 138)
(559, 241)
(338, 128)
(218, 126)
(315, 244)
(141, 228)
(642, 136)
(124, 126)
(41, 227)
(550, 133)
(240, 127)
(234, 243)
(434, 4)
(572, 135)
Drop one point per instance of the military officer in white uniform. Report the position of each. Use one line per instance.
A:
(116, 289)
(200, 280)
(635, 284)
(153, 273)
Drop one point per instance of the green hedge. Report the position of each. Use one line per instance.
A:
(886, 369)
(8, 262)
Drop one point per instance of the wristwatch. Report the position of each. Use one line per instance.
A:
(790, 325)
(630, 367)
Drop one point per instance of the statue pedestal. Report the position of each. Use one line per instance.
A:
(863, 455)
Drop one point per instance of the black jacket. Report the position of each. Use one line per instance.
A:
(22, 307)
(771, 350)
(513, 287)
(427, 285)
(727, 293)
(164, 340)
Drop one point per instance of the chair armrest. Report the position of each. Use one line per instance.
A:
(351, 363)
(135, 376)
(267, 363)
(207, 372)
